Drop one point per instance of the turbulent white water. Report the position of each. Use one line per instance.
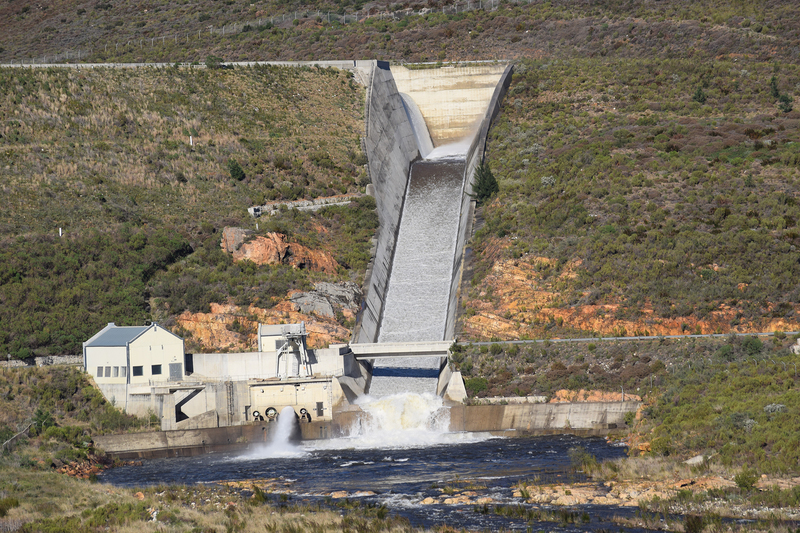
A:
(280, 446)
(415, 308)
(405, 420)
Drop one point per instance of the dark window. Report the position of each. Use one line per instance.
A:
(138, 371)
(108, 371)
(99, 371)
(115, 372)
(156, 370)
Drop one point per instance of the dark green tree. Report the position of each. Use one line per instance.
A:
(700, 96)
(773, 87)
(785, 103)
(485, 183)
(235, 169)
(213, 62)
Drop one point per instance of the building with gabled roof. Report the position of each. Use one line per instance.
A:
(134, 355)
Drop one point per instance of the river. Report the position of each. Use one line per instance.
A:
(401, 476)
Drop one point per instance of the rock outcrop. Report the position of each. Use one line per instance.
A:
(328, 298)
(273, 249)
(565, 395)
(233, 238)
(215, 330)
(523, 297)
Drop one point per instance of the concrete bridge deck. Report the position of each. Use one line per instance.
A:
(400, 349)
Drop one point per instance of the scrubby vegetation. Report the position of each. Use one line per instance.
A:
(733, 399)
(64, 411)
(138, 175)
(623, 190)
(515, 29)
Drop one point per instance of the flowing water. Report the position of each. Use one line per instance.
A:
(400, 474)
(416, 300)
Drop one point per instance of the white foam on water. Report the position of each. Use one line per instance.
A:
(281, 446)
(456, 150)
(400, 421)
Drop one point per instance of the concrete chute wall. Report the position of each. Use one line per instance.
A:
(391, 147)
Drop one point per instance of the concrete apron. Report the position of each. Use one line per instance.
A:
(583, 419)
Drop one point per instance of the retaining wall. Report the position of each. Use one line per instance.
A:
(595, 418)
(581, 418)
(390, 147)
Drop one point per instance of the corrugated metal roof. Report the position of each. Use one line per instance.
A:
(118, 336)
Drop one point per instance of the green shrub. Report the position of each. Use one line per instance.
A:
(746, 479)
(476, 385)
(7, 504)
(485, 183)
(235, 170)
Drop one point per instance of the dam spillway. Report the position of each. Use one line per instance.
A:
(416, 302)
(417, 298)
(424, 207)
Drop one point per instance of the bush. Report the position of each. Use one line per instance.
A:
(746, 479)
(236, 170)
(700, 96)
(485, 183)
(476, 385)
(213, 62)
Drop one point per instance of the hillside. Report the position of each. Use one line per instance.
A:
(237, 30)
(646, 157)
(142, 169)
(641, 197)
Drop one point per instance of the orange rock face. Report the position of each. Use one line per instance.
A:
(518, 297)
(564, 395)
(274, 249)
(216, 330)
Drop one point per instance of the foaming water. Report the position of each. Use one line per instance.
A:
(405, 420)
(281, 445)
(456, 150)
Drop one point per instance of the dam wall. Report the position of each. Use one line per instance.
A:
(452, 99)
(474, 158)
(582, 418)
(390, 146)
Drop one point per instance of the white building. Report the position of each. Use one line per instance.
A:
(134, 355)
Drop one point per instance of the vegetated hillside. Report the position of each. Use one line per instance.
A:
(654, 196)
(65, 411)
(175, 31)
(140, 168)
(734, 398)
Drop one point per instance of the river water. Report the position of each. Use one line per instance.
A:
(402, 475)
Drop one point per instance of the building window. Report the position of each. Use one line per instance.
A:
(138, 371)
(123, 371)
(99, 371)
(156, 370)
(108, 371)
(115, 372)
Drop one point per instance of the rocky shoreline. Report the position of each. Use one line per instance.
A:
(622, 494)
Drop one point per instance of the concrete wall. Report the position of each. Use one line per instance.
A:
(452, 99)
(474, 158)
(390, 147)
(589, 417)
(260, 365)
(560, 418)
